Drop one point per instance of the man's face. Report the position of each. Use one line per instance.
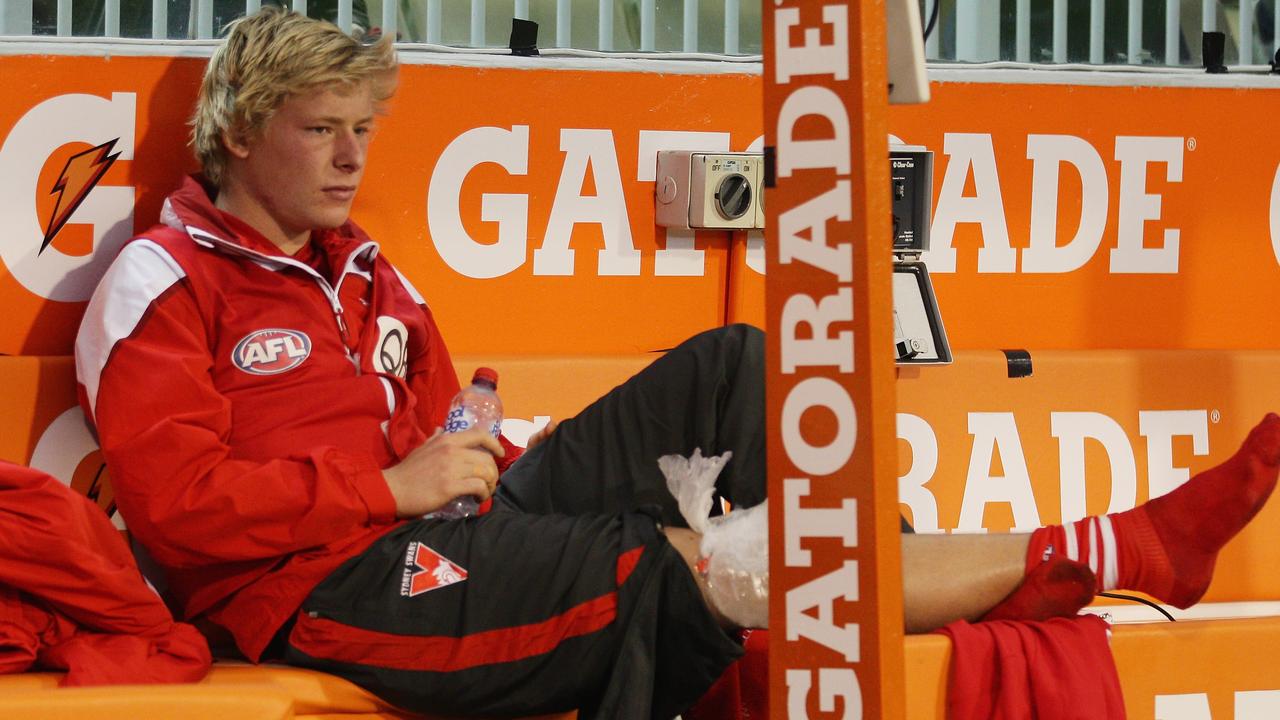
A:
(302, 170)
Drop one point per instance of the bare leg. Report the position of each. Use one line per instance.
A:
(945, 577)
(955, 577)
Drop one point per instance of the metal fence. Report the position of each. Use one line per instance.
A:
(1097, 32)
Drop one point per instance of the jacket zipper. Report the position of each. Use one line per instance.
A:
(331, 293)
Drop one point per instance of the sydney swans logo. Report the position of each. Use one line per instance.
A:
(78, 179)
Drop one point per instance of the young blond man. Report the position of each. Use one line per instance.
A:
(267, 391)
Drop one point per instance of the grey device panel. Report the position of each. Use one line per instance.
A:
(919, 337)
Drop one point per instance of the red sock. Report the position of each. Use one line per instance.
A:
(1057, 587)
(1167, 547)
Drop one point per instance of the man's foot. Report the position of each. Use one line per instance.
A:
(1057, 587)
(1168, 546)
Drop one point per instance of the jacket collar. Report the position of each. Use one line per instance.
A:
(190, 209)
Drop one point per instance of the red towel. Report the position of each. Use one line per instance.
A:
(72, 598)
(1058, 669)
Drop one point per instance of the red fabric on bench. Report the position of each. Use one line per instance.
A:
(71, 595)
(1056, 669)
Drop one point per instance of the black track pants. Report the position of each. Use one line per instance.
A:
(707, 393)
(568, 595)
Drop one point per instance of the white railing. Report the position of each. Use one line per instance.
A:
(976, 30)
(653, 25)
(1118, 31)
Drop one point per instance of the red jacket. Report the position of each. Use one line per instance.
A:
(246, 402)
(71, 597)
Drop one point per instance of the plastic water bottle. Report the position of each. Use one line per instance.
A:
(474, 405)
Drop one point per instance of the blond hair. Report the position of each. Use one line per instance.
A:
(266, 58)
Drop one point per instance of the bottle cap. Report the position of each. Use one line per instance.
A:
(487, 376)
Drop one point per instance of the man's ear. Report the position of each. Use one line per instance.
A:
(236, 143)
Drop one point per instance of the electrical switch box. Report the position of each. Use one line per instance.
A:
(718, 191)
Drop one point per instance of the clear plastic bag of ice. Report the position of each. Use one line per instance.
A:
(735, 546)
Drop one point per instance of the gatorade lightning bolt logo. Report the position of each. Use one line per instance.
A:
(78, 178)
(93, 481)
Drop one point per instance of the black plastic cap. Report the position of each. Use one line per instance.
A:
(524, 37)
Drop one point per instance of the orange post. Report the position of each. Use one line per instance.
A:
(835, 554)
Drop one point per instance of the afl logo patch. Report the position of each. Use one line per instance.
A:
(271, 351)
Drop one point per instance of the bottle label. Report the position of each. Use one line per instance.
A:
(460, 419)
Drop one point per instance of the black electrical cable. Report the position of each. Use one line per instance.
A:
(1144, 601)
(933, 19)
